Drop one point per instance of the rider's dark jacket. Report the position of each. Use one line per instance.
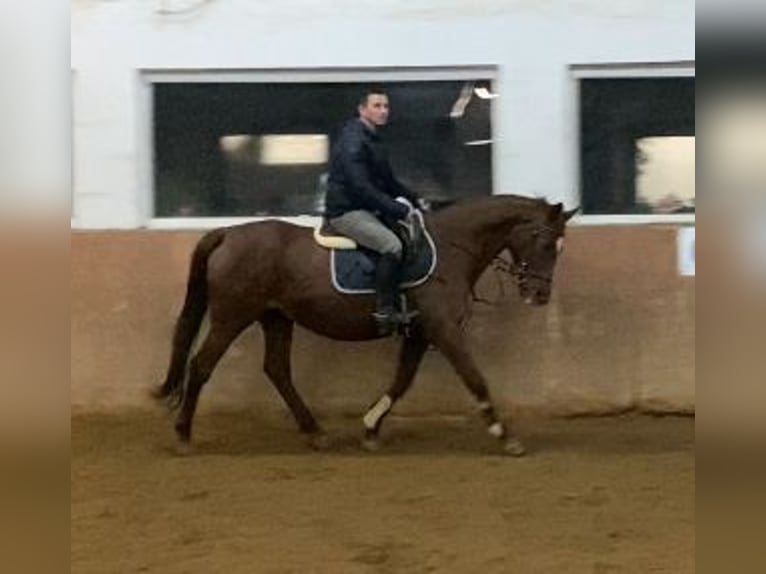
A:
(360, 176)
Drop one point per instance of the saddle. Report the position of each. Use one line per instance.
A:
(328, 238)
(352, 267)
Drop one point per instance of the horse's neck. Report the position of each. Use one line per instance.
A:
(478, 229)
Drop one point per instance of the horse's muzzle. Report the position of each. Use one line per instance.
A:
(537, 298)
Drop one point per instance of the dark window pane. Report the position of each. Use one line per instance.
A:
(630, 125)
(226, 149)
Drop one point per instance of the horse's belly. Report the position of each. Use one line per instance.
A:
(337, 318)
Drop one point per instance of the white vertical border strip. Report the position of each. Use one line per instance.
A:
(145, 152)
(574, 193)
(147, 78)
(577, 72)
(495, 106)
(687, 251)
(73, 222)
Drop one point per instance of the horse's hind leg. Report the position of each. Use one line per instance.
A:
(278, 334)
(411, 353)
(454, 347)
(200, 368)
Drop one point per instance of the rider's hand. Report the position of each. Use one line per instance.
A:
(423, 204)
(410, 208)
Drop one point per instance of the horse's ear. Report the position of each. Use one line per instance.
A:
(569, 214)
(555, 212)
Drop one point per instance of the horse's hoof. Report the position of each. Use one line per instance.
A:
(319, 441)
(171, 400)
(371, 444)
(182, 448)
(514, 447)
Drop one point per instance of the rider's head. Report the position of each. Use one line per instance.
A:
(373, 107)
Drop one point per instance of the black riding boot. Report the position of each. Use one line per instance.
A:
(387, 290)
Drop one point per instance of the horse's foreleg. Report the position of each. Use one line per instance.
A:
(412, 350)
(200, 368)
(451, 342)
(278, 334)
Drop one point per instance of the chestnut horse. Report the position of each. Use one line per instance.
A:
(275, 273)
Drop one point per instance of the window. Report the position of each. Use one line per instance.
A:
(637, 145)
(230, 149)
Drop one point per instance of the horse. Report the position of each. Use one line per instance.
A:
(275, 273)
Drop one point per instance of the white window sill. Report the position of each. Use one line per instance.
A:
(635, 219)
(201, 223)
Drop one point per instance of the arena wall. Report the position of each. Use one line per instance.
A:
(618, 334)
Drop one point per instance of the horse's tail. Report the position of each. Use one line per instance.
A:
(190, 319)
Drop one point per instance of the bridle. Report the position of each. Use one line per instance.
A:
(521, 270)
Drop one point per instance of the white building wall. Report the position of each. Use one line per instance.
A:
(532, 43)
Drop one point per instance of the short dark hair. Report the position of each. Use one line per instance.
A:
(368, 91)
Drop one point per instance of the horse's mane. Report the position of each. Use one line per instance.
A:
(469, 208)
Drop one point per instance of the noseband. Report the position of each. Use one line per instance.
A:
(521, 271)
(523, 274)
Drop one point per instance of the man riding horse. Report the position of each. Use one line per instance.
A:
(277, 274)
(361, 199)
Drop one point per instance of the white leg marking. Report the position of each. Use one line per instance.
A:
(378, 410)
(496, 430)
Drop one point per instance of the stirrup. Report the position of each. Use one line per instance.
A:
(406, 315)
(386, 322)
(395, 321)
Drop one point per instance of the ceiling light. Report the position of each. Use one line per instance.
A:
(484, 93)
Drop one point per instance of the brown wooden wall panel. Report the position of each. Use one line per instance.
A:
(617, 334)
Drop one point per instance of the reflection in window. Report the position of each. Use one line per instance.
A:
(294, 149)
(249, 149)
(666, 179)
(637, 145)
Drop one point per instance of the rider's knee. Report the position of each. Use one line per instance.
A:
(393, 247)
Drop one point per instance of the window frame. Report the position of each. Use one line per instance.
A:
(578, 72)
(148, 77)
